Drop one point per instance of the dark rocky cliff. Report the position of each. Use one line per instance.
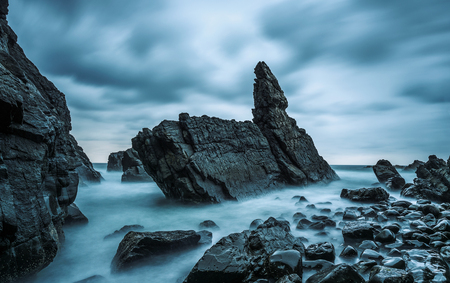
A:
(207, 159)
(41, 164)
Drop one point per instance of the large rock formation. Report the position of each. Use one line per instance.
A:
(133, 169)
(40, 162)
(207, 159)
(432, 182)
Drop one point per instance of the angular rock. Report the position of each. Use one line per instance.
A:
(138, 247)
(395, 183)
(285, 262)
(395, 262)
(413, 166)
(41, 163)
(432, 182)
(74, 216)
(204, 159)
(323, 250)
(292, 278)
(342, 273)
(384, 170)
(245, 257)
(365, 194)
(208, 225)
(133, 169)
(358, 231)
(115, 161)
(385, 236)
(349, 252)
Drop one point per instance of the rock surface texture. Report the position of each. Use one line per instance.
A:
(115, 161)
(41, 164)
(133, 169)
(207, 159)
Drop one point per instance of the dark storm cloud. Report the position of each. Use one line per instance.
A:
(429, 93)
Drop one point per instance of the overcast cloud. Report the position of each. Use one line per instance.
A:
(366, 79)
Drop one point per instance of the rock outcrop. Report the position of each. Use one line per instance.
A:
(133, 169)
(387, 174)
(432, 182)
(115, 161)
(41, 164)
(365, 194)
(207, 159)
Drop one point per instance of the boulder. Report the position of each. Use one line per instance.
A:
(342, 273)
(208, 225)
(358, 231)
(207, 159)
(136, 248)
(268, 252)
(115, 161)
(384, 170)
(133, 170)
(75, 216)
(413, 166)
(323, 250)
(365, 194)
(381, 274)
(349, 252)
(432, 182)
(41, 163)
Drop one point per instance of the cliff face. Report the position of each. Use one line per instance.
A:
(41, 164)
(204, 159)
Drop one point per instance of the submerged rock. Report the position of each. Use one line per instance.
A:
(207, 159)
(125, 229)
(75, 216)
(384, 170)
(251, 255)
(41, 164)
(133, 169)
(115, 161)
(138, 247)
(341, 273)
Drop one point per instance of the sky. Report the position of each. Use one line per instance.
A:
(368, 80)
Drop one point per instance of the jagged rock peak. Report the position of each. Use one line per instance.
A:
(3, 9)
(267, 91)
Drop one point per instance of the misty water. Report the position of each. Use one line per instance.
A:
(112, 204)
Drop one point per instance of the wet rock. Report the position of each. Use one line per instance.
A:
(75, 216)
(125, 229)
(324, 250)
(244, 257)
(138, 247)
(115, 161)
(395, 183)
(413, 166)
(207, 159)
(365, 194)
(255, 223)
(317, 264)
(371, 255)
(358, 231)
(41, 164)
(297, 216)
(394, 253)
(285, 262)
(349, 215)
(385, 236)
(402, 203)
(208, 225)
(394, 262)
(291, 278)
(384, 170)
(429, 220)
(430, 208)
(381, 274)
(317, 225)
(368, 244)
(342, 273)
(349, 252)
(394, 227)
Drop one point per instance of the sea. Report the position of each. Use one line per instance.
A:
(112, 204)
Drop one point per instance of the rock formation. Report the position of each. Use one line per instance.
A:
(432, 182)
(207, 159)
(133, 169)
(115, 161)
(40, 162)
(387, 174)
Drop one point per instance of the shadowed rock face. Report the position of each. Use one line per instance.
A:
(40, 162)
(207, 159)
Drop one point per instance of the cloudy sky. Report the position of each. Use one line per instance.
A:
(366, 79)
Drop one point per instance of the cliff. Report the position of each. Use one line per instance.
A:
(41, 164)
(207, 159)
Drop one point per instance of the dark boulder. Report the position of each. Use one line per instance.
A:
(358, 231)
(115, 161)
(395, 183)
(125, 229)
(385, 236)
(291, 278)
(208, 225)
(349, 252)
(137, 248)
(384, 170)
(413, 166)
(323, 250)
(342, 273)
(251, 255)
(133, 170)
(365, 194)
(41, 163)
(394, 262)
(207, 159)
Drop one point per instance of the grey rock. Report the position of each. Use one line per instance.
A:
(285, 262)
(324, 250)
(317, 264)
(115, 161)
(349, 252)
(125, 229)
(133, 169)
(365, 194)
(385, 236)
(208, 225)
(413, 166)
(245, 256)
(291, 278)
(41, 163)
(342, 273)
(74, 216)
(395, 262)
(384, 170)
(255, 223)
(207, 159)
(358, 231)
(371, 255)
(138, 247)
